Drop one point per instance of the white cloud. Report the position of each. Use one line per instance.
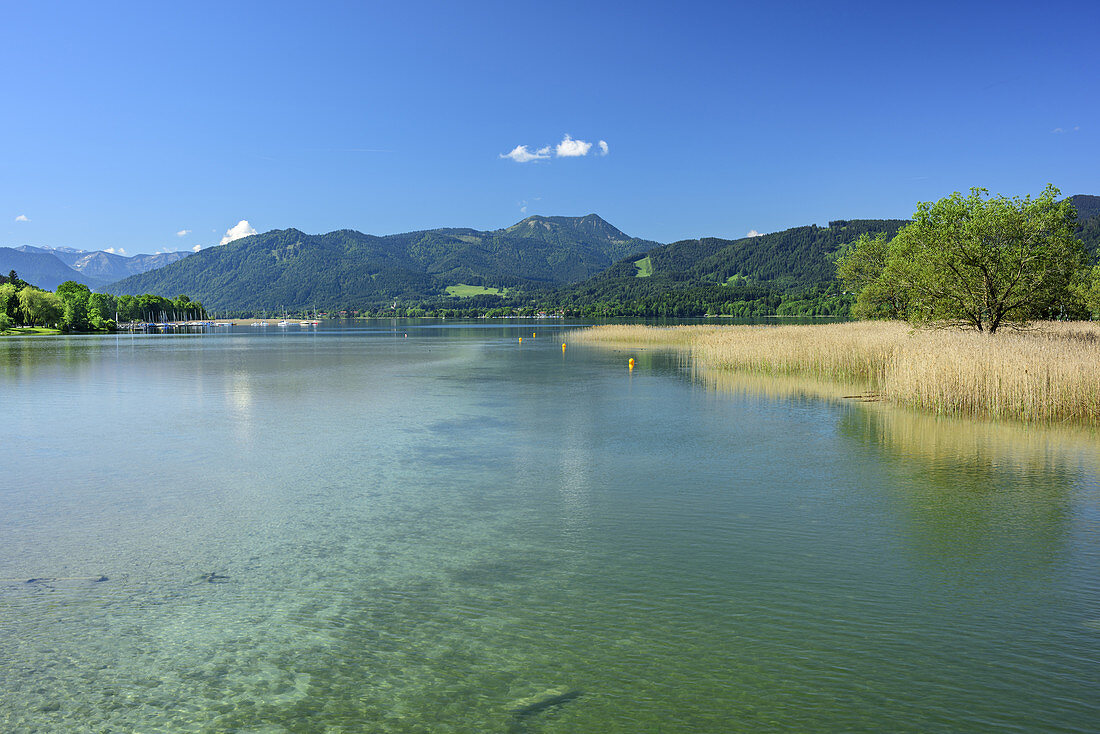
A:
(237, 231)
(1058, 130)
(22, 218)
(520, 154)
(196, 248)
(567, 148)
(570, 148)
(183, 233)
(116, 251)
(754, 233)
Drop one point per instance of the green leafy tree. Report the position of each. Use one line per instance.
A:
(71, 289)
(74, 298)
(974, 261)
(101, 309)
(859, 266)
(1087, 290)
(9, 301)
(40, 307)
(127, 308)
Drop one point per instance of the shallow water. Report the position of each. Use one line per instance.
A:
(351, 530)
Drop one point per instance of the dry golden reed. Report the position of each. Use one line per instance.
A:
(1047, 373)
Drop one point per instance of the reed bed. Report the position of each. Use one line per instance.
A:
(1047, 373)
(940, 439)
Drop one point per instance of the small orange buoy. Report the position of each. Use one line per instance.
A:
(532, 335)
(631, 363)
(521, 340)
(563, 347)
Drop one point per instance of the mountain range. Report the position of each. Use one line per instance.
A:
(539, 260)
(48, 267)
(290, 269)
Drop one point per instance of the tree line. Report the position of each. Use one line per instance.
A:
(74, 308)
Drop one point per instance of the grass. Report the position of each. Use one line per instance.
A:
(462, 290)
(645, 267)
(1048, 373)
(29, 331)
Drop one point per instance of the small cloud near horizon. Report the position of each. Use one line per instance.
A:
(1062, 130)
(754, 233)
(183, 233)
(196, 248)
(237, 231)
(116, 251)
(22, 218)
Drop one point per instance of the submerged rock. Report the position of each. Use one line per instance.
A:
(525, 707)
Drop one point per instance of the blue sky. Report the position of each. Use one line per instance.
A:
(125, 124)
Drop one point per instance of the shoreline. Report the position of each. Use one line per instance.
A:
(1047, 374)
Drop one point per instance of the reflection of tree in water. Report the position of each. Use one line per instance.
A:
(979, 495)
(20, 354)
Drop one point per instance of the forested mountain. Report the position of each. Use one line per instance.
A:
(291, 269)
(1088, 207)
(1088, 221)
(714, 273)
(789, 272)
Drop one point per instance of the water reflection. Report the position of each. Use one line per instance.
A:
(1030, 449)
(972, 496)
(22, 356)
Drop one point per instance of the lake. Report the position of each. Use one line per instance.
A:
(415, 526)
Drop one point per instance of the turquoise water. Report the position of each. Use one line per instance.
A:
(354, 530)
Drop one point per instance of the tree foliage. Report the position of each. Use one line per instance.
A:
(975, 261)
(859, 266)
(40, 308)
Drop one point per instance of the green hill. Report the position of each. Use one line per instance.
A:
(789, 272)
(291, 269)
(711, 273)
(1088, 221)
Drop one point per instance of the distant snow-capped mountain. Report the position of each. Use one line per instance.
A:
(48, 267)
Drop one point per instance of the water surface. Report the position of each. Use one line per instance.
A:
(412, 526)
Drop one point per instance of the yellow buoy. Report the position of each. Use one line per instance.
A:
(563, 347)
(521, 340)
(631, 363)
